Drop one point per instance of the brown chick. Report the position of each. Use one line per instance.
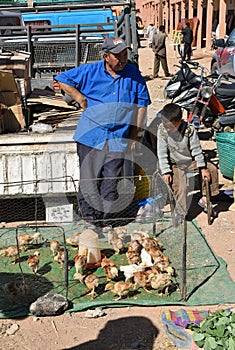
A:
(54, 246)
(80, 261)
(11, 252)
(148, 243)
(141, 279)
(107, 262)
(110, 268)
(120, 231)
(118, 245)
(153, 270)
(135, 246)
(139, 235)
(160, 282)
(110, 272)
(33, 262)
(27, 239)
(119, 288)
(162, 262)
(91, 282)
(24, 240)
(133, 257)
(155, 253)
(60, 257)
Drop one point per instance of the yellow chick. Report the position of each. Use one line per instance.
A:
(54, 246)
(91, 282)
(118, 245)
(74, 240)
(119, 288)
(11, 252)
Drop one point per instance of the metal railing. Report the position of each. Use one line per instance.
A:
(60, 47)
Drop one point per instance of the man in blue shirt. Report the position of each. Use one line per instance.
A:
(114, 99)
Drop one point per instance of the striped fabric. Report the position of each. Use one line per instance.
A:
(183, 317)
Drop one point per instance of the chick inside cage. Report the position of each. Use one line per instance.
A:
(146, 258)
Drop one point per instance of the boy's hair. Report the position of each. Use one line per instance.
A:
(172, 112)
(161, 27)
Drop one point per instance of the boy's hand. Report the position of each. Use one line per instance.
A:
(206, 173)
(167, 178)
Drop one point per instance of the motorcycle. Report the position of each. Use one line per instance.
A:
(207, 100)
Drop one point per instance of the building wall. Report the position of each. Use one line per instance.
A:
(207, 15)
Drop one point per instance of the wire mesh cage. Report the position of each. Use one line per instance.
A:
(157, 260)
(63, 54)
(16, 46)
(54, 54)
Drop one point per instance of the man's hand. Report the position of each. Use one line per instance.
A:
(83, 102)
(75, 95)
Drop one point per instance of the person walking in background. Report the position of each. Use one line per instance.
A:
(187, 39)
(159, 50)
(114, 98)
(150, 32)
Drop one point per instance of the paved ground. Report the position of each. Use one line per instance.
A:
(135, 325)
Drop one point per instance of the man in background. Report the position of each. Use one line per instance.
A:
(159, 49)
(150, 32)
(187, 39)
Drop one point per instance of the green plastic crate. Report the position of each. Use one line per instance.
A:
(226, 150)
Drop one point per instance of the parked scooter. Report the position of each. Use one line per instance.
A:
(207, 100)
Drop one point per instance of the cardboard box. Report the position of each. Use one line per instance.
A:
(11, 101)
(2, 128)
(18, 62)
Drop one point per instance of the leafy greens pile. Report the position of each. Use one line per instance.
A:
(216, 331)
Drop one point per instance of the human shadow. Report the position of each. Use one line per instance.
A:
(123, 333)
(14, 300)
(220, 203)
